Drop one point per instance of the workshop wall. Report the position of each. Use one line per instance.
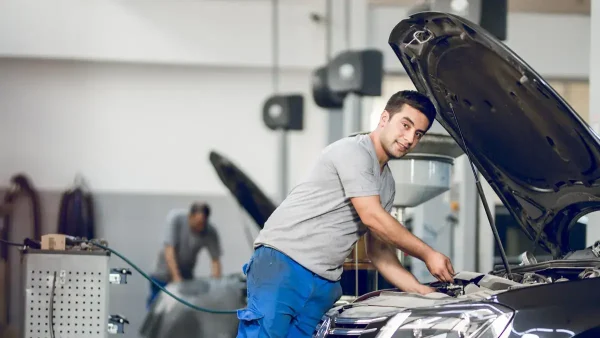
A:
(215, 33)
(145, 128)
(545, 45)
(240, 31)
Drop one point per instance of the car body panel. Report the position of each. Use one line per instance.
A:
(562, 309)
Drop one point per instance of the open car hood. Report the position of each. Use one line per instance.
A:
(245, 191)
(537, 154)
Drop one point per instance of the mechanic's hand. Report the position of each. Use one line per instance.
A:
(177, 279)
(424, 289)
(440, 267)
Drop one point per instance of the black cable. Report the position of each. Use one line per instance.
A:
(2, 241)
(158, 285)
(51, 314)
(347, 25)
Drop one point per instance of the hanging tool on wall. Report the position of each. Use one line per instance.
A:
(76, 213)
(5, 331)
(20, 186)
(5, 209)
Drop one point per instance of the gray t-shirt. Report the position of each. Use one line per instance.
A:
(187, 244)
(317, 225)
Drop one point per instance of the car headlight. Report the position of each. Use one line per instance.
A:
(449, 321)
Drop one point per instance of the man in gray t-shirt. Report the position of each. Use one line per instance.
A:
(187, 232)
(316, 225)
(293, 275)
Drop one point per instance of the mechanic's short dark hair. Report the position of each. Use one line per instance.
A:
(413, 99)
(199, 207)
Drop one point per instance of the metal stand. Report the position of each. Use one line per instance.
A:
(356, 270)
(352, 123)
(400, 217)
(352, 119)
(283, 164)
(335, 125)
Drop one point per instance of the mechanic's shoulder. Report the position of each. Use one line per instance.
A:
(176, 215)
(348, 146)
(212, 229)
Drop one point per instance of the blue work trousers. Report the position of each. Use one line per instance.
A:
(284, 298)
(154, 290)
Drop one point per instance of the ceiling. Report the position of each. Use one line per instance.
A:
(580, 7)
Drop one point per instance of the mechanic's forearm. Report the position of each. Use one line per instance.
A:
(386, 261)
(391, 269)
(216, 269)
(388, 229)
(172, 263)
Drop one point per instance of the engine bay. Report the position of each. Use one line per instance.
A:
(577, 265)
(489, 284)
(467, 285)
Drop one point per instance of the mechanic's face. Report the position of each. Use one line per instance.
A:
(402, 132)
(197, 221)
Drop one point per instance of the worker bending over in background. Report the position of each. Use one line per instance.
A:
(293, 275)
(187, 232)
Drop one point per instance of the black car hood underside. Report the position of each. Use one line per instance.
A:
(537, 154)
(246, 192)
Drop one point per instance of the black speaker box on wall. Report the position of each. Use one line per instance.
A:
(493, 17)
(359, 72)
(322, 94)
(284, 112)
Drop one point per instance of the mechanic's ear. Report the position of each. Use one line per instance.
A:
(385, 116)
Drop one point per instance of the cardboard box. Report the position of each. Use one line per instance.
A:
(54, 242)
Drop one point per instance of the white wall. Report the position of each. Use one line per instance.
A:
(237, 33)
(554, 45)
(144, 128)
(145, 89)
(190, 32)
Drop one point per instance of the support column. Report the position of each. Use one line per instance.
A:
(486, 252)
(348, 31)
(593, 227)
(353, 113)
(466, 230)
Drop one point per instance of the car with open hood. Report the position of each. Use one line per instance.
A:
(540, 158)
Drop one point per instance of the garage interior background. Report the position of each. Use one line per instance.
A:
(133, 95)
